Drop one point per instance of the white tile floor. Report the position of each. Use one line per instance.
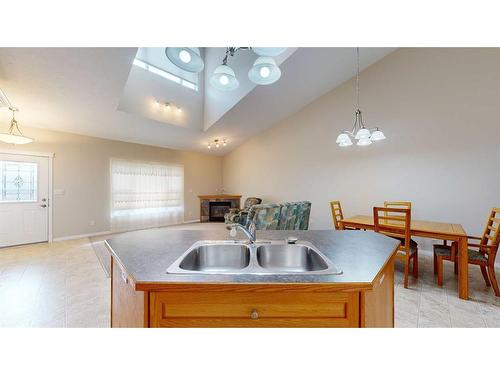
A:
(425, 304)
(53, 285)
(63, 285)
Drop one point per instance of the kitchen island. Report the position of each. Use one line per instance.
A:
(143, 294)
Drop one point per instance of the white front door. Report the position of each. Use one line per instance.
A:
(24, 199)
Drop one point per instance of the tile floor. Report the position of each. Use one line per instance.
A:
(64, 285)
(425, 304)
(61, 284)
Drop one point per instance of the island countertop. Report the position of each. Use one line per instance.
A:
(145, 255)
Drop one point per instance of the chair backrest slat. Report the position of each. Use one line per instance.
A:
(383, 218)
(492, 229)
(391, 216)
(337, 214)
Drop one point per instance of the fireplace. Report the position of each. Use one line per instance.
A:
(217, 210)
(213, 207)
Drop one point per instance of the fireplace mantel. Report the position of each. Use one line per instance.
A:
(206, 199)
(220, 196)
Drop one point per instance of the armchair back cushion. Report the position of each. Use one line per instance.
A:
(303, 214)
(264, 216)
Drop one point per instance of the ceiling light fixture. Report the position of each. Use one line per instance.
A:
(11, 137)
(264, 71)
(362, 135)
(167, 105)
(224, 78)
(217, 143)
(186, 58)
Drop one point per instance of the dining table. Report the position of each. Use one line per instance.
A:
(428, 229)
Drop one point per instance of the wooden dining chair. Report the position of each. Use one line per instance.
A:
(484, 256)
(400, 204)
(396, 223)
(338, 215)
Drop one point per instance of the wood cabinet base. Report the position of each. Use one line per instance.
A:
(252, 305)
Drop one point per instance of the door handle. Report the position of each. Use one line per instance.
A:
(43, 205)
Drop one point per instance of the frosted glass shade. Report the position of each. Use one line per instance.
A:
(186, 58)
(15, 139)
(377, 135)
(346, 143)
(224, 78)
(363, 133)
(342, 138)
(364, 142)
(264, 71)
(269, 51)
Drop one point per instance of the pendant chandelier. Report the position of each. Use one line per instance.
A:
(264, 70)
(14, 135)
(359, 133)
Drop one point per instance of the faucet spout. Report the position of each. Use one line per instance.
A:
(250, 232)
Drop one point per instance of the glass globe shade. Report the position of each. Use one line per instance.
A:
(364, 142)
(342, 138)
(363, 133)
(377, 135)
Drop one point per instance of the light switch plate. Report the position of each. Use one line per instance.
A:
(59, 191)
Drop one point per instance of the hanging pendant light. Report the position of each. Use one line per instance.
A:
(11, 137)
(188, 59)
(224, 78)
(264, 71)
(359, 132)
(269, 51)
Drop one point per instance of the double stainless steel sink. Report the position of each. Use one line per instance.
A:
(264, 257)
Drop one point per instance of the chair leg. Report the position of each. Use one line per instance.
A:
(485, 276)
(407, 270)
(491, 273)
(435, 264)
(455, 267)
(415, 265)
(440, 271)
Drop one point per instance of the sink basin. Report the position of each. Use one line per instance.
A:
(262, 258)
(291, 258)
(216, 258)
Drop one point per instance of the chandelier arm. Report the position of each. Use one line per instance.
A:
(17, 128)
(230, 51)
(361, 123)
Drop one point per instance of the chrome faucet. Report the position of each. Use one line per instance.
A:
(249, 232)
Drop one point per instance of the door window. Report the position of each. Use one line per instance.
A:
(18, 181)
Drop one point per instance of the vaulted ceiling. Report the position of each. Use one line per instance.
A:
(98, 92)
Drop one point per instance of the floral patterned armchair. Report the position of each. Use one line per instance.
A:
(237, 216)
(285, 216)
(295, 215)
(264, 216)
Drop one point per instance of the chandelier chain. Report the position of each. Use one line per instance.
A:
(357, 78)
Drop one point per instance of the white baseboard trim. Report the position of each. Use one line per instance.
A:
(78, 236)
(191, 221)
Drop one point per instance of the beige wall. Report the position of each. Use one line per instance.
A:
(81, 167)
(439, 109)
